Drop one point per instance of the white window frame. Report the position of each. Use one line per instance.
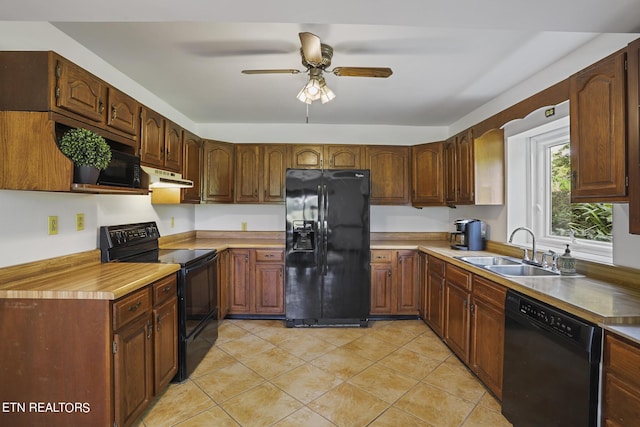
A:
(539, 200)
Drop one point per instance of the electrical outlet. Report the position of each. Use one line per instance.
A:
(173, 222)
(53, 224)
(79, 221)
(244, 226)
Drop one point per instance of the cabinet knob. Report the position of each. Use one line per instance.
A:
(135, 307)
(114, 112)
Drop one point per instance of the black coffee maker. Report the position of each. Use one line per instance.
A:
(469, 235)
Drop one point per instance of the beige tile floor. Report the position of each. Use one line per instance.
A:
(394, 373)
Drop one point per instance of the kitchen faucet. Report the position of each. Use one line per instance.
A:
(533, 240)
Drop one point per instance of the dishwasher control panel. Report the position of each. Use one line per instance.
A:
(551, 318)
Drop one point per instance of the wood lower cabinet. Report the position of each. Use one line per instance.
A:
(457, 310)
(394, 282)
(434, 294)
(256, 281)
(223, 283)
(217, 171)
(597, 98)
(621, 382)
(100, 355)
(487, 332)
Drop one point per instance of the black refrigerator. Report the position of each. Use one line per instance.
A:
(327, 262)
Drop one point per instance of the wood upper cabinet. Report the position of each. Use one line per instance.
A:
(160, 141)
(192, 167)
(307, 156)
(621, 382)
(173, 146)
(78, 91)
(427, 174)
(46, 81)
(343, 156)
(487, 332)
(457, 307)
(434, 294)
(390, 170)
(597, 111)
(459, 169)
(260, 173)
(247, 174)
(330, 156)
(394, 282)
(633, 134)
(123, 112)
(217, 171)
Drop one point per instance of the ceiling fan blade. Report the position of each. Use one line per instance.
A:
(275, 71)
(362, 71)
(311, 48)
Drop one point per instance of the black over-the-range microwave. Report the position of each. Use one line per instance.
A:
(123, 171)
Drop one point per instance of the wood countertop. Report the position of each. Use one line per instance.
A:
(91, 280)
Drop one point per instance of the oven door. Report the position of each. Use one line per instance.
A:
(200, 293)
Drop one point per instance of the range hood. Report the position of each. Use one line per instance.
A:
(159, 178)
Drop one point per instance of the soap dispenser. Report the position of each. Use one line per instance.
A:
(567, 263)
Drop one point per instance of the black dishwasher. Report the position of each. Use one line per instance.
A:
(551, 366)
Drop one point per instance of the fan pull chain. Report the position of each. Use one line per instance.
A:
(307, 113)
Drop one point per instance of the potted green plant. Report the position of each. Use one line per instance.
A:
(89, 153)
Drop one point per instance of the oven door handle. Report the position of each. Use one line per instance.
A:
(200, 264)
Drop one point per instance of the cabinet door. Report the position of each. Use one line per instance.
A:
(240, 281)
(343, 156)
(389, 166)
(435, 302)
(427, 175)
(275, 160)
(269, 288)
(456, 324)
(223, 283)
(307, 157)
(407, 283)
(247, 173)
(133, 370)
(487, 333)
(79, 92)
(633, 134)
(191, 167)
(152, 138)
(450, 171)
(173, 147)
(165, 343)
(381, 288)
(597, 98)
(218, 158)
(123, 112)
(422, 285)
(465, 168)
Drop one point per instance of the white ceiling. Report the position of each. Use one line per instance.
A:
(448, 57)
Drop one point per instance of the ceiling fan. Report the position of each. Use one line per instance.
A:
(316, 57)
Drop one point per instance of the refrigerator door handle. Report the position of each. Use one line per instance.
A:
(320, 232)
(325, 228)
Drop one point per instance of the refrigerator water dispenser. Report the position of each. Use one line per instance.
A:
(303, 236)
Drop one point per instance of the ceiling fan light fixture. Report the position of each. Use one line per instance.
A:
(316, 88)
(326, 94)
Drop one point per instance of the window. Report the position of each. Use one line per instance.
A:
(541, 197)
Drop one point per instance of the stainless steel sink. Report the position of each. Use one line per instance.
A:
(522, 270)
(482, 261)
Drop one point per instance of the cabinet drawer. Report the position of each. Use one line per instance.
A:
(269, 255)
(436, 265)
(458, 276)
(622, 358)
(131, 307)
(165, 289)
(380, 256)
(489, 292)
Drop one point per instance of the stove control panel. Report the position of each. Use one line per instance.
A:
(118, 242)
(122, 236)
(556, 321)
